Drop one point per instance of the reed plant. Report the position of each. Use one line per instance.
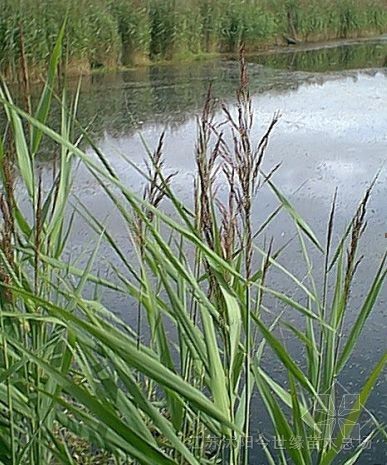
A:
(198, 280)
(130, 32)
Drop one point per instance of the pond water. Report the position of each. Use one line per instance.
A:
(332, 133)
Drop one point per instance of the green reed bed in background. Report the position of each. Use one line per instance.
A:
(106, 33)
(76, 382)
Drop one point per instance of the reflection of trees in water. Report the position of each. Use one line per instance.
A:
(170, 99)
(169, 95)
(330, 58)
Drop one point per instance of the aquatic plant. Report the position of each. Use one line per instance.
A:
(176, 387)
(130, 32)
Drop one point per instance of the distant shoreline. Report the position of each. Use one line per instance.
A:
(73, 72)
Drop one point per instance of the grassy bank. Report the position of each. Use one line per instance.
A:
(106, 33)
(175, 386)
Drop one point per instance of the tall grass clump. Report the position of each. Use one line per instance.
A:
(134, 28)
(131, 32)
(163, 28)
(314, 20)
(248, 23)
(91, 39)
(176, 386)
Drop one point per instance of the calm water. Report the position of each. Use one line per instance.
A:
(333, 133)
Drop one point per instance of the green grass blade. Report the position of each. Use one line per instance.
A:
(356, 410)
(45, 99)
(364, 313)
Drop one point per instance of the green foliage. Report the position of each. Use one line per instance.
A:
(163, 28)
(331, 18)
(110, 33)
(246, 23)
(134, 28)
(73, 375)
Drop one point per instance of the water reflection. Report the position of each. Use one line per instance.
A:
(330, 58)
(119, 102)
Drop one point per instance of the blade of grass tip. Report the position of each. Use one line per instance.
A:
(240, 413)
(287, 361)
(99, 228)
(97, 151)
(380, 428)
(64, 237)
(297, 306)
(346, 234)
(48, 202)
(266, 449)
(277, 265)
(86, 272)
(72, 270)
(72, 117)
(295, 216)
(272, 215)
(340, 247)
(359, 451)
(262, 345)
(328, 247)
(305, 338)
